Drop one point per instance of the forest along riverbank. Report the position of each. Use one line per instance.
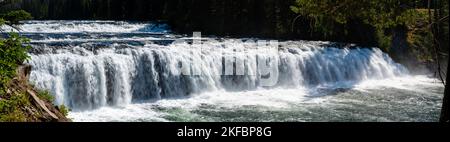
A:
(123, 71)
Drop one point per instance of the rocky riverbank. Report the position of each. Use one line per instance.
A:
(21, 102)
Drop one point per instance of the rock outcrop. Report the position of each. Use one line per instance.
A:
(31, 108)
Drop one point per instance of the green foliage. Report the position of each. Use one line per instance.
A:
(63, 109)
(2, 21)
(13, 17)
(10, 109)
(380, 14)
(45, 95)
(325, 15)
(420, 38)
(2, 92)
(12, 54)
(384, 41)
(12, 51)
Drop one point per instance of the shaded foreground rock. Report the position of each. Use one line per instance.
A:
(34, 109)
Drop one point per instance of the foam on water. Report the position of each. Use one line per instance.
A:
(84, 79)
(105, 76)
(89, 27)
(278, 99)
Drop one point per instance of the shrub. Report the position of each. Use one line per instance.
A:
(63, 109)
(45, 95)
(10, 109)
(14, 17)
(12, 54)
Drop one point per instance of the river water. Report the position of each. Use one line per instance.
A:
(131, 71)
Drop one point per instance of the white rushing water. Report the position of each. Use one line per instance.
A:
(368, 101)
(115, 76)
(122, 72)
(89, 27)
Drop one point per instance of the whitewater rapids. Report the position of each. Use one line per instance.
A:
(126, 71)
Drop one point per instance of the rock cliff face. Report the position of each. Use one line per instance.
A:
(21, 102)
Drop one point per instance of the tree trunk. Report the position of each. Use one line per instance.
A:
(437, 40)
(445, 116)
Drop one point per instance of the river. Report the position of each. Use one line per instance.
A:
(141, 71)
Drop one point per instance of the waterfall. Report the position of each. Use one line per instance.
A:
(86, 71)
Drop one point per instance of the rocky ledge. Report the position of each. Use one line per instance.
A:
(22, 102)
